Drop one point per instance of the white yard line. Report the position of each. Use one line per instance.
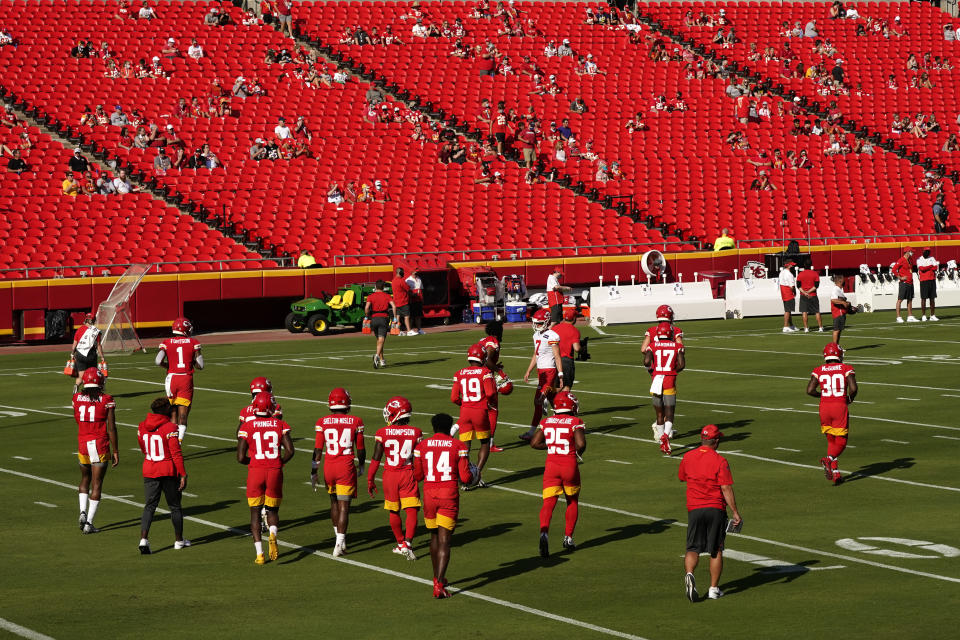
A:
(894, 441)
(23, 632)
(787, 449)
(362, 565)
(22, 458)
(619, 462)
(45, 504)
(942, 437)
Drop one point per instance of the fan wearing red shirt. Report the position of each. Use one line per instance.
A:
(180, 356)
(400, 489)
(835, 383)
(807, 282)
(401, 297)
(903, 271)
(379, 306)
(664, 358)
(96, 439)
(569, 346)
(163, 471)
(338, 435)
(473, 388)
(709, 492)
(441, 463)
(563, 437)
(258, 446)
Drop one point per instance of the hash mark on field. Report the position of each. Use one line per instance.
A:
(911, 399)
(500, 470)
(944, 437)
(949, 395)
(189, 495)
(45, 504)
(721, 411)
(786, 449)
(808, 404)
(894, 441)
(621, 418)
(135, 449)
(22, 458)
(196, 446)
(619, 462)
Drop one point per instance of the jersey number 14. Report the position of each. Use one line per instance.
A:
(442, 467)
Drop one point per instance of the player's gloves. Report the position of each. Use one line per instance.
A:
(313, 480)
(371, 488)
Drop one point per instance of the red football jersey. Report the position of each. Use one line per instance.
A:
(181, 353)
(442, 463)
(677, 333)
(473, 387)
(398, 442)
(247, 413)
(665, 356)
(833, 381)
(490, 343)
(337, 434)
(158, 441)
(569, 335)
(263, 436)
(91, 415)
(558, 432)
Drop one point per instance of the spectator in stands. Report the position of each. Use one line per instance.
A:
(565, 49)
(169, 50)
(83, 49)
(118, 118)
(836, 10)
(176, 155)
(335, 194)
(940, 214)
(374, 95)
(88, 185)
(578, 105)
(141, 140)
(77, 162)
(16, 163)
(306, 260)
(146, 12)
(239, 90)
(564, 129)
(162, 163)
(216, 19)
(951, 144)
(724, 242)
(195, 51)
(70, 187)
(282, 10)
(105, 185)
(257, 151)
(810, 29)
(123, 11)
(762, 183)
(282, 131)
(948, 33)
(122, 183)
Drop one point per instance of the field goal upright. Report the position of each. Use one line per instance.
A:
(113, 314)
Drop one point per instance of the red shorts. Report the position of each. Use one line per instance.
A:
(834, 418)
(547, 381)
(179, 388)
(92, 449)
(264, 487)
(561, 478)
(400, 490)
(440, 512)
(340, 476)
(474, 424)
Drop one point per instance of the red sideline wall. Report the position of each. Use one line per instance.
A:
(162, 297)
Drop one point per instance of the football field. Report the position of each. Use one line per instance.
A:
(876, 557)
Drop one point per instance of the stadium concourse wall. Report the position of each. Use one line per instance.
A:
(257, 298)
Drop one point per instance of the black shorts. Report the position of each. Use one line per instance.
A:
(905, 292)
(416, 308)
(706, 530)
(928, 289)
(789, 306)
(809, 305)
(556, 314)
(840, 322)
(403, 311)
(380, 326)
(569, 371)
(500, 137)
(82, 363)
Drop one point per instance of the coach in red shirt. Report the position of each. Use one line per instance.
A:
(163, 470)
(378, 307)
(807, 282)
(569, 346)
(401, 298)
(709, 491)
(903, 271)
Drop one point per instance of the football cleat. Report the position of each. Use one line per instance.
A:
(144, 547)
(259, 559)
(912, 319)
(714, 593)
(338, 550)
(544, 545)
(568, 543)
(665, 444)
(181, 544)
(83, 519)
(934, 318)
(806, 330)
(827, 470)
(89, 528)
(383, 362)
(657, 432)
(400, 549)
(439, 591)
(273, 549)
(690, 585)
(923, 318)
(820, 330)
(408, 552)
(787, 330)
(494, 448)
(837, 478)
(376, 361)
(899, 320)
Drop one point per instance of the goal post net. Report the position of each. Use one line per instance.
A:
(113, 314)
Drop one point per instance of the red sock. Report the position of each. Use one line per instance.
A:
(836, 445)
(546, 513)
(396, 525)
(411, 522)
(537, 410)
(570, 517)
(492, 418)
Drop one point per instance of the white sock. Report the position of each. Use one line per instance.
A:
(341, 538)
(273, 530)
(335, 532)
(181, 431)
(83, 500)
(144, 542)
(259, 545)
(668, 428)
(93, 510)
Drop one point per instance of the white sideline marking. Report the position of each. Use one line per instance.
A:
(948, 395)
(45, 504)
(619, 462)
(787, 449)
(500, 470)
(196, 446)
(22, 458)
(721, 411)
(355, 563)
(23, 632)
(625, 418)
(910, 399)
(894, 441)
(189, 495)
(943, 437)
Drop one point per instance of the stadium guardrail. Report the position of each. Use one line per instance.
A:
(91, 270)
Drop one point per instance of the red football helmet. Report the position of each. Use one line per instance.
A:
(397, 408)
(833, 351)
(92, 378)
(504, 384)
(540, 319)
(339, 398)
(570, 314)
(182, 326)
(665, 313)
(565, 402)
(260, 384)
(263, 404)
(664, 331)
(475, 354)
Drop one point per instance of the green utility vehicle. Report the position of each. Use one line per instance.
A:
(317, 316)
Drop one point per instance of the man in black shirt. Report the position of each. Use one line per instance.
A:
(16, 163)
(78, 164)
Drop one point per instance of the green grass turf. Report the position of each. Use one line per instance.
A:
(627, 574)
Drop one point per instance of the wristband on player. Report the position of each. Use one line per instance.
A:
(314, 465)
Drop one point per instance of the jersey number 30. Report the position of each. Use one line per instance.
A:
(833, 386)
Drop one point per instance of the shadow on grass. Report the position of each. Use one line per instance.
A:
(630, 531)
(724, 427)
(207, 453)
(879, 468)
(511, 569)
(763, 576)
(622, 409)
(123, 524)
(137, 394)
(465, 537)
(515, 476)
(411, 363)
(203, 509)
(864, 346)
(610, 428)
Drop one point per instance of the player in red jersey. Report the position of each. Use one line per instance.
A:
(180, 355)
(664, 321)
(338, 434)
(442, 463)
(835, 383)
(163, 471)
(400, 491)
(473, 388)
(564, 438)
(490, 346)
(664, 359)
(96, 443)
(263, 437)
(259, 385)
(546, 358)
